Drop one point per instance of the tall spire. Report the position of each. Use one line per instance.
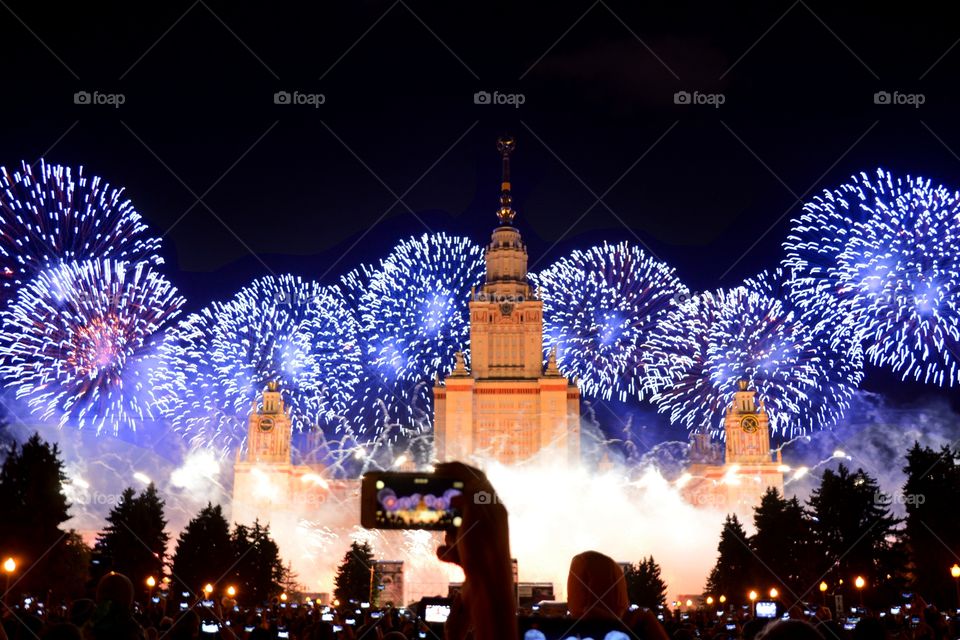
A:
(506, 145)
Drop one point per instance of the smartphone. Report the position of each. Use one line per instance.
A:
(375, 614)
(766, 609)
(434, 610)
(350, 621)
(209, 626)
(337, 628)
(731, 627)
(184, 606)
(410, 500)
(155, 599)
(283, 634)
(327, 617)
(894, 611)
(248, 629)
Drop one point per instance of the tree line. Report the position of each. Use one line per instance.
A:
(847, 530)
(55, 562)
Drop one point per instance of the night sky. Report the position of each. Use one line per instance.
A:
(241, 186)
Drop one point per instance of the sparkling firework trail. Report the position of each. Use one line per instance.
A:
(283, 329)
(58, 215)
(599, 307)
(414, 308)
(77, 342)
(727, 335)
(878, 261)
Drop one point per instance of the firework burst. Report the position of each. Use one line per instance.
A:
(599, 307)
(720, 337)
(878, 261)
(56, 214)
(283, 329)
(77, 342)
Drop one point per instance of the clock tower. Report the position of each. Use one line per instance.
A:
(269, 429)
(734, 477)
(747, 428)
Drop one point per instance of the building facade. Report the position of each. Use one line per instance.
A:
(735, 478)
(266, 484)
(507, 406)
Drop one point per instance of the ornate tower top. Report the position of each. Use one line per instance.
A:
(506, 214)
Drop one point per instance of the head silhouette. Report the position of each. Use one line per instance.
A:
(596, 587)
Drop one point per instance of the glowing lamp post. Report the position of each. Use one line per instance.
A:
(823, 592)
(860, 583)
(283, 597)
(231, 591)
(723, 599)
(207, 590)
(753, 596)
(955, 572)
(774, 593)
(709, 600)
(9, 566)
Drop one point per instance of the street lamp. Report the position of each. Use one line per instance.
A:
(823, 592)
(689, 603)
(860, 583)
(774, 593)
(723, 599)
(955, 572)
(207, 590)
(151, 582)
(752, 595)
(709, 599)
(283, 597)
(231, 591)
(9, 566)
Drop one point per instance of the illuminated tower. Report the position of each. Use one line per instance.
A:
(739, 480)
(507, 406)
(269, 429)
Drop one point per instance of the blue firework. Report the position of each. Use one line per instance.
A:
(216, 362)
(878, 261)
(599, 307)
(78, 342)
(54, 213)
(717, 338)
(414, 306)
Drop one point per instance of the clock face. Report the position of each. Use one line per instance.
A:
(266, 424)
(749, 424)
(506, 308)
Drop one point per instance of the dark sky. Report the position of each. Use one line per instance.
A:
(292, 187)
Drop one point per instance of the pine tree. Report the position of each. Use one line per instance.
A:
(645, 587)
(932, 533)
(32, 508)
(205, 553)
(783, 544)
(733, 574)
(134, 541)
(259, 569)
(855, 533)
(358, 576)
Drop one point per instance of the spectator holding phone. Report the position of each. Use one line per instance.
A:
(481, 546)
